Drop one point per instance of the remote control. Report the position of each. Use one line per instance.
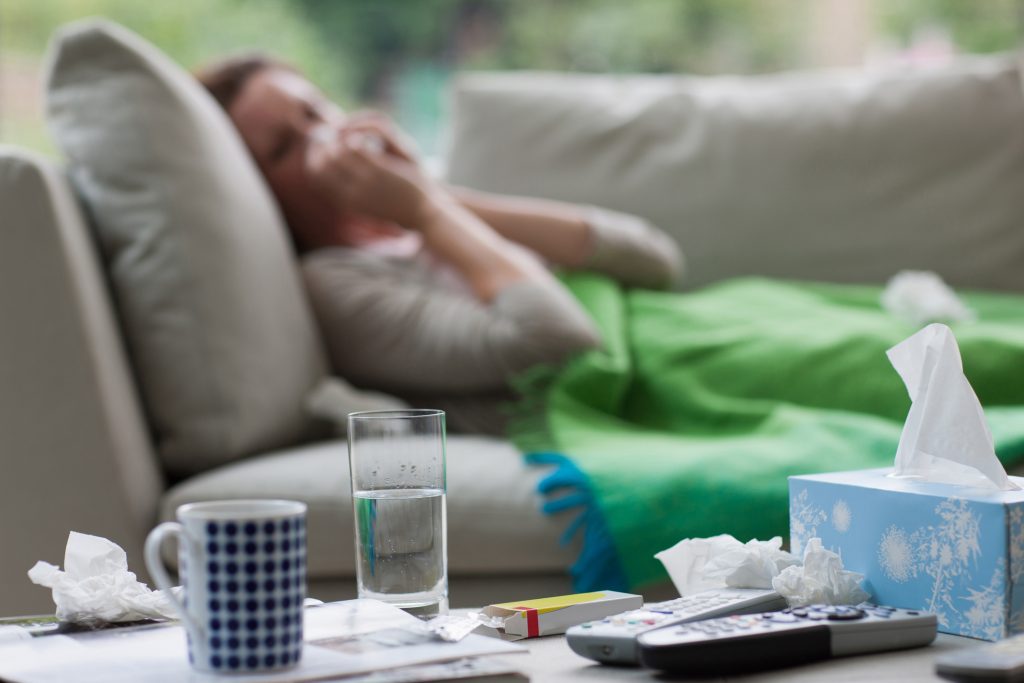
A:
(1002, 661)
(792, 636)
(613, 640)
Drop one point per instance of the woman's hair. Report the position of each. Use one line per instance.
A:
(225, 77)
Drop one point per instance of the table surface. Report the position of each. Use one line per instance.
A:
(550, 659)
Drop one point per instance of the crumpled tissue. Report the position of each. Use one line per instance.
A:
(700, 564)
(945, 438)
(921, 296)
(96, 587)
(820, 580)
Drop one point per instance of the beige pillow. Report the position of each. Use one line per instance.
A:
(842, 176)
(219, 330)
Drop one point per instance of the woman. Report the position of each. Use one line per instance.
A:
(433, 293)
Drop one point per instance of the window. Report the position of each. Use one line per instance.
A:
(399, 55)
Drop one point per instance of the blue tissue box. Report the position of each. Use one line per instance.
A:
(951, 550)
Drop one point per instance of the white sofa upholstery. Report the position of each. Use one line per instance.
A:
(77, 450)
(838, 176)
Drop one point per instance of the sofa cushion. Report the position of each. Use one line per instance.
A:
(494, 521)
(218, 328)
(841, 176)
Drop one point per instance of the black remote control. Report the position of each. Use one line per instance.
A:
(792, 636)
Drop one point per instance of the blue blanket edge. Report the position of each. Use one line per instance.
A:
(568, 488)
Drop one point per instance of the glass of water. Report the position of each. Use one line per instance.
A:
(397, 461)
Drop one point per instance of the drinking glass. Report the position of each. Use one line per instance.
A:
(397, 461)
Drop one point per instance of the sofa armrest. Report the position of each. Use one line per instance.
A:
(74, 447)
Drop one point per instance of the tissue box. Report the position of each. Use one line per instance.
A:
(951, 550)
(548, 616)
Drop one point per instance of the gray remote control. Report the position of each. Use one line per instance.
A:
(792, 636)
(1002, 661)
(613, 640)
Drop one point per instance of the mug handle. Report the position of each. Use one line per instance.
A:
(155, 565)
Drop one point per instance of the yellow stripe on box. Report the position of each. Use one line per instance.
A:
(543, 605)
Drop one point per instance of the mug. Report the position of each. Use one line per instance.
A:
(243, 569)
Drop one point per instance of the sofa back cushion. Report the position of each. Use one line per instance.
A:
(841, 176)
(221, 335)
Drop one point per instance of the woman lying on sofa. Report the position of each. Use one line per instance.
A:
(422, 290)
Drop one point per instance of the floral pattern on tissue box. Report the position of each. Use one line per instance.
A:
(954, 551)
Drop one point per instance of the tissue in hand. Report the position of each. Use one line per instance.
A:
(96, 586)
(921, 540)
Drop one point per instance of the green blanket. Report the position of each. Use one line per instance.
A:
(700, 405)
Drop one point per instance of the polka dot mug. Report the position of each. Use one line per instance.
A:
(242, 565)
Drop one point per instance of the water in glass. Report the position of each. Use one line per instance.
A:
(401, 538)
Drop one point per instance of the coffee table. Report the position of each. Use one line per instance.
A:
(550, 659)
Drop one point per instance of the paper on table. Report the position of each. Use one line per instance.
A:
(158, 653)
(945, 438)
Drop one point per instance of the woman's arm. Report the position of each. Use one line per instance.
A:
(556, 231)
(487, 261)
(625, 247)
(394, 188)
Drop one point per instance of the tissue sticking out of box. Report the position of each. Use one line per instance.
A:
(921, 296)
(820, 580)
(700, 564)
(945, 438)
(96, 586)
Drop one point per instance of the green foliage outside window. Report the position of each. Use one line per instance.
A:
(400, 54)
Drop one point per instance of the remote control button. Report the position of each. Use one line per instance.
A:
(817, 616)
(782, 618)
(846, 616)
(799, 612)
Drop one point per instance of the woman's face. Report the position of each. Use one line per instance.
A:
(276, 112)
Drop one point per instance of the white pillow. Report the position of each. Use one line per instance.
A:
(842, 176)
(220, 333)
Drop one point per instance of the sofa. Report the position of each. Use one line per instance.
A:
(105, 429)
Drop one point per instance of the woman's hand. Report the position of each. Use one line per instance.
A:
(362, 179)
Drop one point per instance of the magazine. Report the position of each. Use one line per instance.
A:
(355, 639)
